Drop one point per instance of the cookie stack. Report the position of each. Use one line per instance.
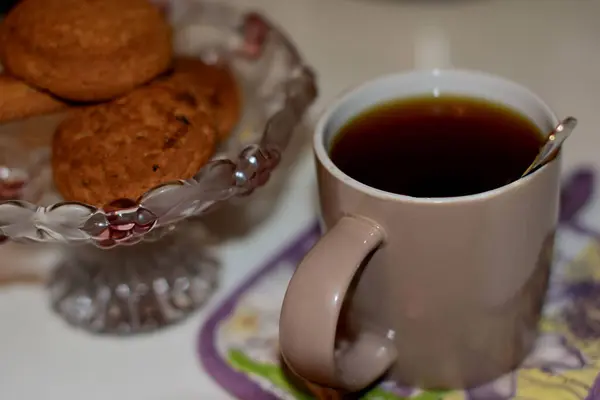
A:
(138, 116)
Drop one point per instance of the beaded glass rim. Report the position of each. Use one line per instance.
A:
(246, 36)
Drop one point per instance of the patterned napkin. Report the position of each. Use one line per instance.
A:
(238, 343)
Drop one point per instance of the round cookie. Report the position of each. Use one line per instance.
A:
(85, 50)
(19, 100)
(215, 81)
(124, 148)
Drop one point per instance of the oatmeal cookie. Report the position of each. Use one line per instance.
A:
(85, 50)
(215, 81)
(18, 100)
(123, 148)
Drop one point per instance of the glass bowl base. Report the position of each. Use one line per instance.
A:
(134, 289)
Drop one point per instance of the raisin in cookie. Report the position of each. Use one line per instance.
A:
(215, 81)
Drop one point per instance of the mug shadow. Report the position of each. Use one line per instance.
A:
(309, 389)
(320, 392)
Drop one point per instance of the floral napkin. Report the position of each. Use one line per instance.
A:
(238, 344)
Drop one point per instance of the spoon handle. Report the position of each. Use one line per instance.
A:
(552, 144)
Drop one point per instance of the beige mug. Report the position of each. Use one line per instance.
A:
(440, 292)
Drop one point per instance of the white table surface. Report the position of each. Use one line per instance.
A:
(552, 46)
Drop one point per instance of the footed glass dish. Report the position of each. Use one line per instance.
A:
(134, 265)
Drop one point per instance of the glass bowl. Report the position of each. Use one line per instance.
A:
(137, 264)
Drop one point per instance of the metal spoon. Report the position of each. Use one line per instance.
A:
(552, 145)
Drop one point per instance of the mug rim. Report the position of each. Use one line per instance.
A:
(322, 153)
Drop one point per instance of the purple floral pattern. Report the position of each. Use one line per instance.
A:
(560, 365)
(595, 390)
(577, 191)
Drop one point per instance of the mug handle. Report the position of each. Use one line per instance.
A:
(312, 306)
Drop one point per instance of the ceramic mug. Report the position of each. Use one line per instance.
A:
(442, 292)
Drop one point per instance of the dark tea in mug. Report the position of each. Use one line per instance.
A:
(436, 146)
